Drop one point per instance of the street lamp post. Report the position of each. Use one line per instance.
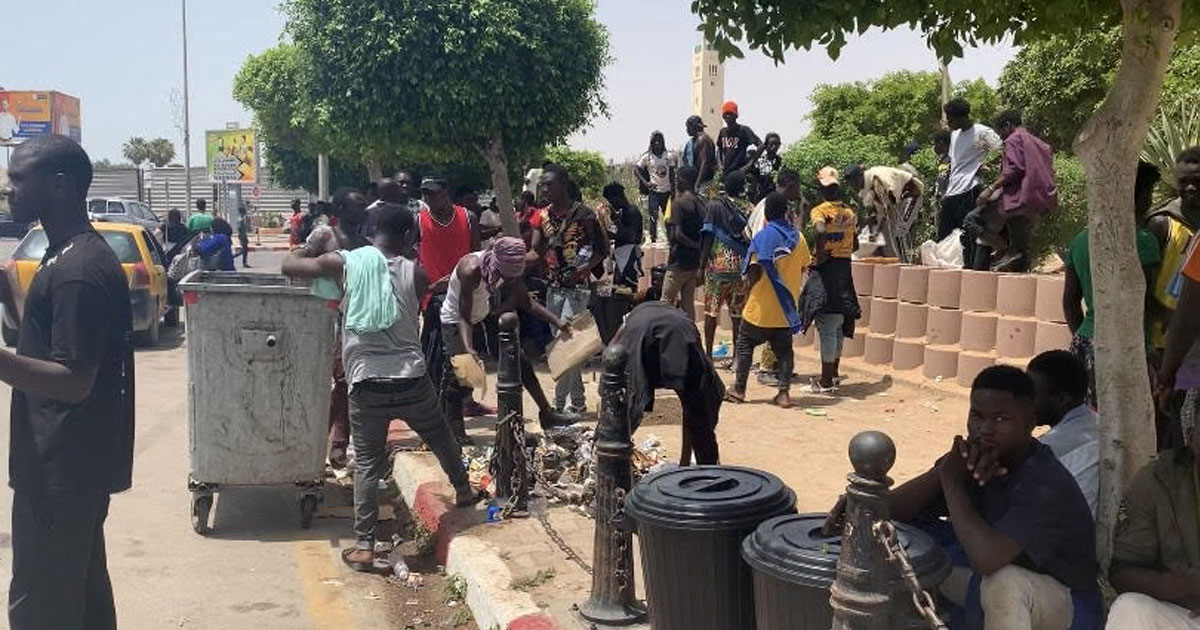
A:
(187, 131)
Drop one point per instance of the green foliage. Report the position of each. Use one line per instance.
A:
(1177, 128)
(837, 149)
(158, 151)
(899, 107)
(587, 168)
(1058, 83)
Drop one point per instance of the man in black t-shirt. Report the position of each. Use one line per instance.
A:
(71, 440)
(683, 234)
(734, 141)
(1020, 531)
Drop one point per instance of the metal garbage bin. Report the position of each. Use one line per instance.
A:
(794, 566)
(260, 361)
(690, 525)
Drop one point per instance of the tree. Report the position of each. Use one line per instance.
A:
(587, 168)
(1108, 145)
(500, 78)
(1059, 82)
(158, 151)
(898, 108)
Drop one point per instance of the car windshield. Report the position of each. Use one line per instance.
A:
(97, 206)
(33, 247)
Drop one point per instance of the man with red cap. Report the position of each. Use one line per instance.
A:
(734, 141)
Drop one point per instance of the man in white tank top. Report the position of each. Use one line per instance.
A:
(498, 270)
(386, 372)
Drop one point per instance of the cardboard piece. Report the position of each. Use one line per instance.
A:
(563, 354)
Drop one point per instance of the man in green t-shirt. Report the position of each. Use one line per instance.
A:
(1078, 286)
(200, 220)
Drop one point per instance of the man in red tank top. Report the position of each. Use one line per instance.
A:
(446, 234)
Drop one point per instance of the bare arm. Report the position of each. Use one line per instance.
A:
(1072, 299)
(420, 281)
(912, 497)
(469, 277)
(1168, 586)
(48, 379)
(324, 266)
(987, 549)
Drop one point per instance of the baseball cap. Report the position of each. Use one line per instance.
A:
(432, 184)
(851, 171)
(696, 120)
(729, 107)
(827, 176)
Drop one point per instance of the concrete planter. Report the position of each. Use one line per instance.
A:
(1051, 336)
(970, 364)
(1015, 336)
(864, 306)
(883, 315)
(977, 291)
(914, 283)
(911, 319)
(1016, 295)
(908, 353)
(944, 287)
(886, 283)
(1050, 299)
(864, 276)
(878, 349)
(856, 345)
(978, 332)
(943, 325)
(941, 361)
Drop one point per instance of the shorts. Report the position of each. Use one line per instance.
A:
(727, 291)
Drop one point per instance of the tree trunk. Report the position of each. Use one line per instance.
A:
(1109, 146)
(493, 152)
(374, 169)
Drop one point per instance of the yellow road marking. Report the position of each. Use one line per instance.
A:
(327, 605)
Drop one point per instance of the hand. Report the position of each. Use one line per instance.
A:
(983, 464)
(564, 330)
(952, 469)
(836, 519)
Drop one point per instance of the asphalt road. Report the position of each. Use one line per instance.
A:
(258, 570)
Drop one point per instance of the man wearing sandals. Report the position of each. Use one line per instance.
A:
(774, 269)
(384, 365)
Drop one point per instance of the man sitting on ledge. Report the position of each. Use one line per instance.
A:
(1013, 520)
(1156, 545)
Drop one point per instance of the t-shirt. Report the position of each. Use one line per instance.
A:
(686, 213)
(200, 221)
(762, 303)
(659, 167)
(1079, 259)
(77, 312)
(693, 150)
(628, 225)
(839, 224)
(733, 144)
(567, 246)
(442, 246)
(1041, 508)
(968, 150)
(394, 352)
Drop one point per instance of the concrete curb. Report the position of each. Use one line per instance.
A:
(493, 605)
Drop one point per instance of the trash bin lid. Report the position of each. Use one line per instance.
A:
(792, 548)
(709, 498)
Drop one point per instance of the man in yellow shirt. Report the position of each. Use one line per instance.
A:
(837, 308)
(774, 269)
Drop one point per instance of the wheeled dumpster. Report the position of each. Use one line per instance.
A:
(260, 351)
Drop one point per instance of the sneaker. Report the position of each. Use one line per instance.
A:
(768, 378)
(577, 410)
(815, 387)
(474, 409)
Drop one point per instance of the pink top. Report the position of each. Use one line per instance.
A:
(1028, 170)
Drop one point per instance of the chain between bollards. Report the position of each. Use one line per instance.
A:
(509, 464)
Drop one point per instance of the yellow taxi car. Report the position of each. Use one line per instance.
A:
(142, 258)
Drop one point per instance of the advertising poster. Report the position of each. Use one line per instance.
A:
(25, 115)
(231, 156)
(66, 116)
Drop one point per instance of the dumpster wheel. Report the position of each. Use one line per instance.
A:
(308, 508)
(201, 507)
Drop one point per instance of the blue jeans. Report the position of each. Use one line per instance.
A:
(829, 329)
(567, 304)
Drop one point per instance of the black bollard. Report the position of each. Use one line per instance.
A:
(509, 464)
(861, 595)
(612, 601)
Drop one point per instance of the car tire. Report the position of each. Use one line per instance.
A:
(10, 335)
(171, 318)
(149, 338)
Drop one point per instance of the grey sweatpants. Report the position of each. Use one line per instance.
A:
(373, 405)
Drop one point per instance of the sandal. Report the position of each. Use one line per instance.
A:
(358, 565)
(734, 398)
(726, 364)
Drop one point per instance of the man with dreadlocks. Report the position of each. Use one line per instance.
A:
(494, 276)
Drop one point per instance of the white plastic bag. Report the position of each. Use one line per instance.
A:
(944, 253)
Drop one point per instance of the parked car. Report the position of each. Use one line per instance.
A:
(117, 210)
(8, 227)
(142, 258)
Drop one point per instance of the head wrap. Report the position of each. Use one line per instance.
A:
(504, 259)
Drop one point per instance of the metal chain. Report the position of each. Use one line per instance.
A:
(620, 537)
(544, 519)
(885, 535)
(520, 461)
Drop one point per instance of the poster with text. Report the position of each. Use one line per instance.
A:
(230, 156)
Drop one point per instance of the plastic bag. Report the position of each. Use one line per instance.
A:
(944, 253)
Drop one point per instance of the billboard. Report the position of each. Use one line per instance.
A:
(25, 115)
(231, 156)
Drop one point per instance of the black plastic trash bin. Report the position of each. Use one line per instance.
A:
(794, 565)
(690, 523)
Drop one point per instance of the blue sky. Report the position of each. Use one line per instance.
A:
(123, 59)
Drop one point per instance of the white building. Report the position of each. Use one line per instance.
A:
(708, 87)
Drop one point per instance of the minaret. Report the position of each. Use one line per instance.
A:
(708, 86)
